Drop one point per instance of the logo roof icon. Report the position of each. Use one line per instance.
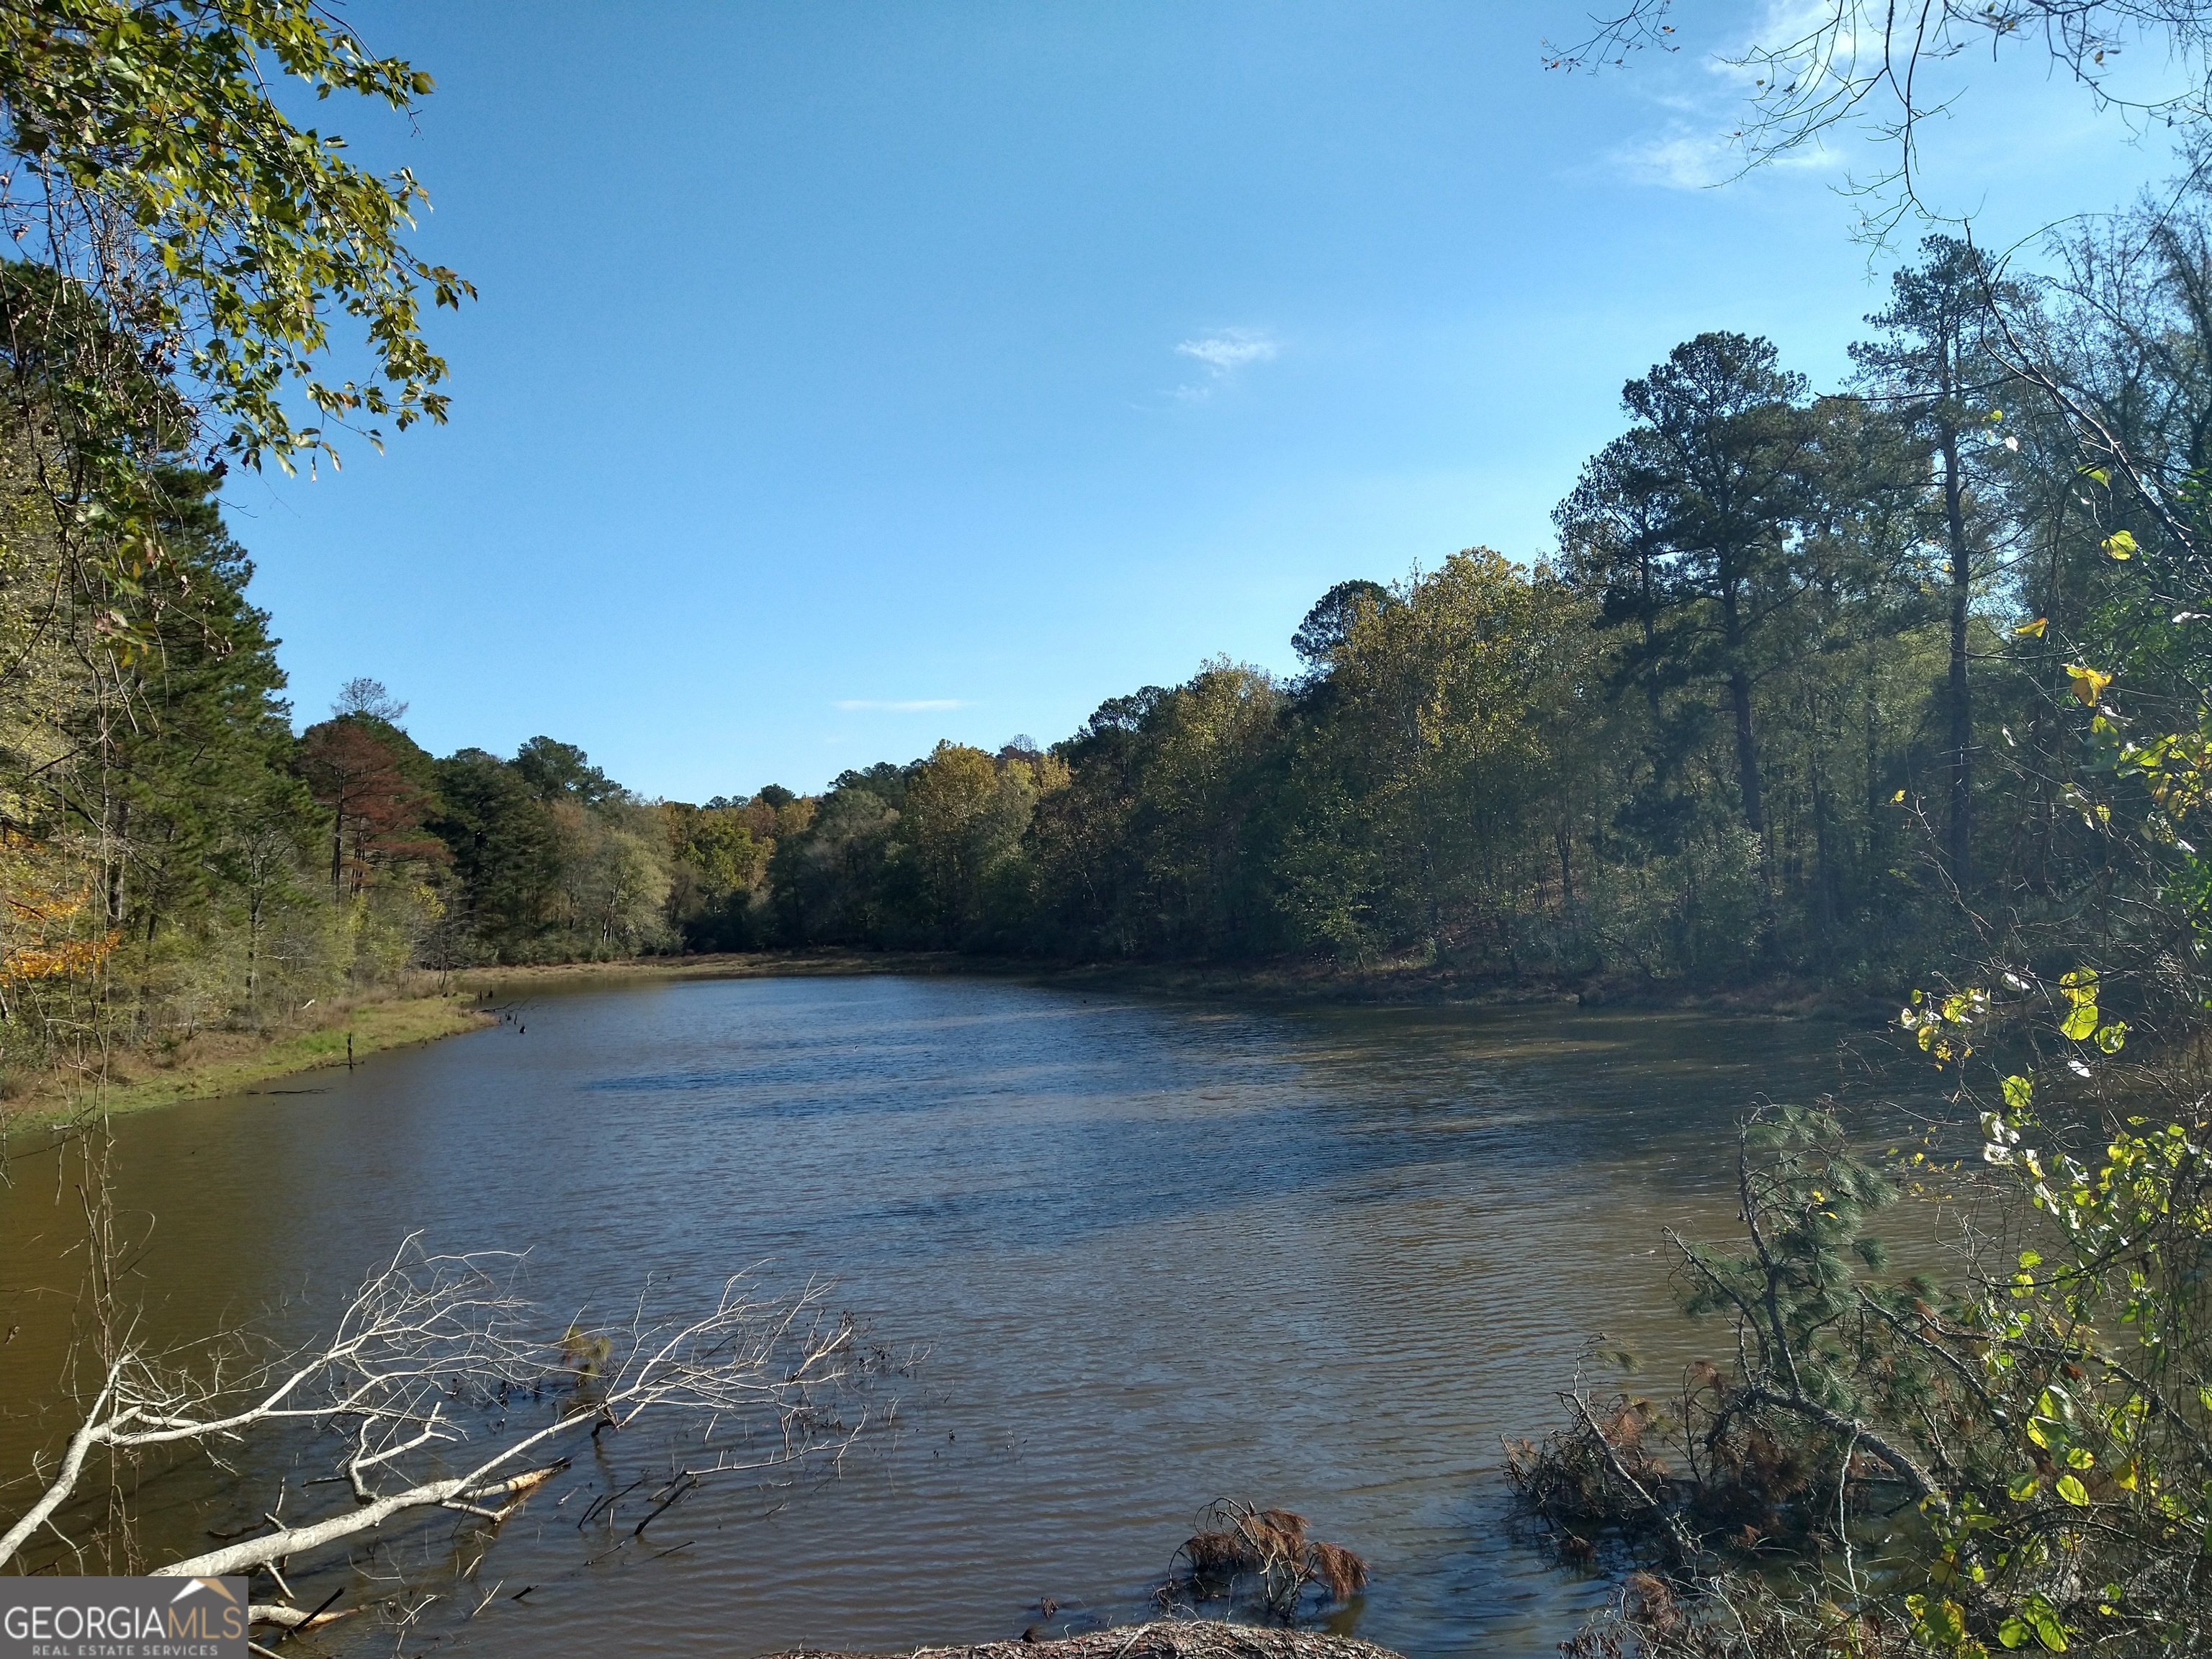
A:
(193, 1586)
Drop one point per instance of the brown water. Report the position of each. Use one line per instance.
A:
(1159, 1252)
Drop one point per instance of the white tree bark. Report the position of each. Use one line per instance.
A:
(428, 1352)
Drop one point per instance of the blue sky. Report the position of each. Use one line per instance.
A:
(849, 376)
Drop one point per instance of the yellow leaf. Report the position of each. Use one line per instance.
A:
(2120, 545)
(2033, 630)
(2088, 684)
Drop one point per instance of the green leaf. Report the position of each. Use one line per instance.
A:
(2018, 1090)
(2071, 1489)
(2080, 1022)
(2119, 545)
(2024, 1487)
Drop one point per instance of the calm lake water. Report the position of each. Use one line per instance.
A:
(1158, 1252)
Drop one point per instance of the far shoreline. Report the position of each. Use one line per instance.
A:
(1389, 984)
(214, 1064)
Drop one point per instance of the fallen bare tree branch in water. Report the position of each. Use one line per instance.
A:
(440, 1389)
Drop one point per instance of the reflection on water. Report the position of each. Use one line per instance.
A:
(1159, 1253)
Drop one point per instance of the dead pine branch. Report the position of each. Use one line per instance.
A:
(1261, 1557)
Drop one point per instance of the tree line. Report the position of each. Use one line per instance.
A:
(1808, 686)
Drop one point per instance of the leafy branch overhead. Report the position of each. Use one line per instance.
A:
(181, 262)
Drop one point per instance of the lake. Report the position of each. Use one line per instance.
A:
(1158, 1252)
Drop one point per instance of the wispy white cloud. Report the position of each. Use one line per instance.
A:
(1683, 157)
(899, 705)
(1230, 349)
(1701, 142)
(1222, 353)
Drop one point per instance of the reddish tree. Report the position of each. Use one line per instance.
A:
(376, 809)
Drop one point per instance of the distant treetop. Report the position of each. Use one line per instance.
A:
(1331, 619)
(363, 696)
(559, 771)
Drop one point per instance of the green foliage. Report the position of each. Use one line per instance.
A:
(505, 856)
(1331, 619)
(1769, 714)
(719, 879)
(561, 771)
(949, 865)
(2048, 1411)
(210, 237)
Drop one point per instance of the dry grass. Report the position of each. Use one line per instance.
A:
(216, 1062)
(1176, 1638)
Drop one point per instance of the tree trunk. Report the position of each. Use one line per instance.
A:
(466, 1493)
(1824, 867)
(1960, 826)
(1650, 637)
(1872, 860)
(1746, 742)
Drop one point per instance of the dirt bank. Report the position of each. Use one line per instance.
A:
(215, 1063)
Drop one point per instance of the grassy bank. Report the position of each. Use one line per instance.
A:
(213, 1063)
(210, 1063)
(504, 983)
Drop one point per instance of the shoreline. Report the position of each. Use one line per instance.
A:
(233, 1062)
(827, 964)
(1382, 985)
(227, 1063)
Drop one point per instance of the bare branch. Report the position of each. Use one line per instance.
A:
(440, 1377)
(1869, 66)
